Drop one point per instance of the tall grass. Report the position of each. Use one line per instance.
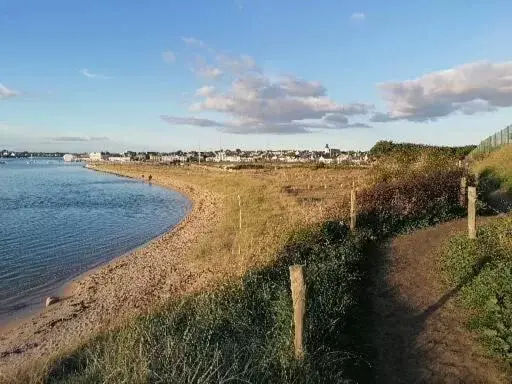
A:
(242, 333)
(275, 204)
(496, 168)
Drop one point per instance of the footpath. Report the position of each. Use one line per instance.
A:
(420, 334)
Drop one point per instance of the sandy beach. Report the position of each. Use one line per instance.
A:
(128, 285)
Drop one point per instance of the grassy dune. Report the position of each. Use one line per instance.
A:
(242, 333)
(274, 202)
(497, 165)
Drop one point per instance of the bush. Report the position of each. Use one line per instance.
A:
(384, 148)
(414, 201)
(483, 268)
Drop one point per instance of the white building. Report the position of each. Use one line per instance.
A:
(68, 157)
(325, 160)
(95, 156)
(173, 158)
(118, 159)
(342, 157)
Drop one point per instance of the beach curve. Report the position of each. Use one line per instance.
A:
(127, 286)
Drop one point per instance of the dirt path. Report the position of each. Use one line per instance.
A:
(420, 335)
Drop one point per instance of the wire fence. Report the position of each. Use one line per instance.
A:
(494, 141)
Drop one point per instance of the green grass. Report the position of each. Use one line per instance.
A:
(243, 332)
(483, 267)
(496, 168)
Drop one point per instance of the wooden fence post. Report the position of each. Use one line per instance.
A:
(462, 193)
(472, 212)
(353, 208)
(299, 307)
(240, 212)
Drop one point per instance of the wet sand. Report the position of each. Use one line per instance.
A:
(128, 285)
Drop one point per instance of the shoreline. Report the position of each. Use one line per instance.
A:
(64, 289)
(126, 286)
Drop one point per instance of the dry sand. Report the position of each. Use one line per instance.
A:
(127, 286)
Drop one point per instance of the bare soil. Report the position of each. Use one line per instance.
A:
(420, 334)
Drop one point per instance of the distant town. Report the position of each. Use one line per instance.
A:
(326, 155)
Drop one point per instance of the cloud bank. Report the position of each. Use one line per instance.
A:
(79, 138)
(253, 102)
(467, 89)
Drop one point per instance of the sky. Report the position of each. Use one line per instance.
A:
(251, 74)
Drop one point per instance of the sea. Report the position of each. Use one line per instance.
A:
(59, 220)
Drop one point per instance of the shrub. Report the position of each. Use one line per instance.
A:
(416, 200)
(384, 148)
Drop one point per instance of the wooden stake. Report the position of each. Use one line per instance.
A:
(240, 207)
(462, 193)
(299, 307)
(353, 208)
(472, 212)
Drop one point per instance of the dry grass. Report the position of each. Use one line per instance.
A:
(499, 164)
(276, 202)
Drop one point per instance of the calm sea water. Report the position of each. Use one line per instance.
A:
(58, 220)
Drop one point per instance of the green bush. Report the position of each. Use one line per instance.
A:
(416, 200)
(410, 150)
(483, 268)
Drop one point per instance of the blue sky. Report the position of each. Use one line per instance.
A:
(163, 75)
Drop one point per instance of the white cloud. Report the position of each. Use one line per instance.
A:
(169, 57)
(6, 92)
(237, 64)
(208, 72)
(259, 99)
(206, 91)
(358, 17)
(470, 88)
(194, 121)
(192, 41)
(91, 75)
(79, 138)
(252, 102)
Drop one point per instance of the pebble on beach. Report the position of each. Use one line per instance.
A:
(51, 300)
